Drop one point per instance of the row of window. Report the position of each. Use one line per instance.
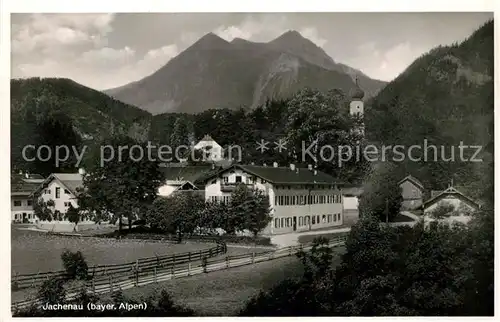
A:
(58, 192)
(223, 199)
(306, 200)
(306, 187)
(19, 203)
(20, 216)
(306, 220)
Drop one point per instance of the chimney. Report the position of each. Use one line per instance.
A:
(292, 166)
(310, 167)
(275, 164)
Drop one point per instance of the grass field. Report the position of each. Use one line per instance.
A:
(224, 293)
(33, 252)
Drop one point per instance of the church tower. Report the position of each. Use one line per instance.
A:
(356, 107)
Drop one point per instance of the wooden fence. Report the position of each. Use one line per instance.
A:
(109, 283)
(141, 265)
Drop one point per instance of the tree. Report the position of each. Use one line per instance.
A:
(75, 265)
(178, 214)
(382, 195)
(52, 291)
(123, 186)
(257, 211)
(42, 210)
(318, 126)
(73, 215)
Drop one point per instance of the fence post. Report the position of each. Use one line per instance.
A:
(189, 268)
(253, 257)
(200, 255)
(172, 272)
(93, 286)
(189, 255)
(173, 262)
(155, 276)
(290, 248)
(111, 283)
(210, 250)
(137, 273)
(227, 261)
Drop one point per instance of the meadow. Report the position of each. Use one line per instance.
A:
(33, 252)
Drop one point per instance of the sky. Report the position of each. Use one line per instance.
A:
(103, 51)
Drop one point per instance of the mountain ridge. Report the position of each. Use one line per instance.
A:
(205, 75)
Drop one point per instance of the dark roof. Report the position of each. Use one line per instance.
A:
(22, 184)
(22, 188)
(283, 175)
(453, 193)
(70, 181)
(412, 179)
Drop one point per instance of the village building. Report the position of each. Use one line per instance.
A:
(212, 150)
(461, 206)
(301, 199)
(412, 191)
(182, 177)
(62, 189)
(22, 186)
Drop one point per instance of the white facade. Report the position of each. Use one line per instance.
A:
(61, 196)
(213, 149)
(293, 207)
(22, 209)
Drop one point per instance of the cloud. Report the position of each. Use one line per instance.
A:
(385, 64)
(51, 33)
(262, 28)
(312, 34)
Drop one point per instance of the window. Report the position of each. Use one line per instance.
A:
(66, 191)
(276, 223)
(330, 217)
(238, 179)
(317, 219)
(226, 179)
(17, 203)
(58, 192)
(323, 218)
(30, 202)
(47, 191)
(66, 204)
(214, 181)
(275, 200)
(301, 221)
(313, 220)
(282, 222)
(288, 222)
(301, 199)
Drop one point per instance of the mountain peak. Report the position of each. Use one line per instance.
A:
(210, 41)
(290, 35)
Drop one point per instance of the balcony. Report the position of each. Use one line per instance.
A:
(231, 186)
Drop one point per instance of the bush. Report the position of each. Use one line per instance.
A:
(52, 291)
(75, 265)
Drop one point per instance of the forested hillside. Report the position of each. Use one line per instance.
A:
(444, 97)
(55, 111)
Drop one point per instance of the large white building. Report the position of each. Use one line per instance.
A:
(300, 198)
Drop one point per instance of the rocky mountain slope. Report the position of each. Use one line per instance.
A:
(214, 73)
